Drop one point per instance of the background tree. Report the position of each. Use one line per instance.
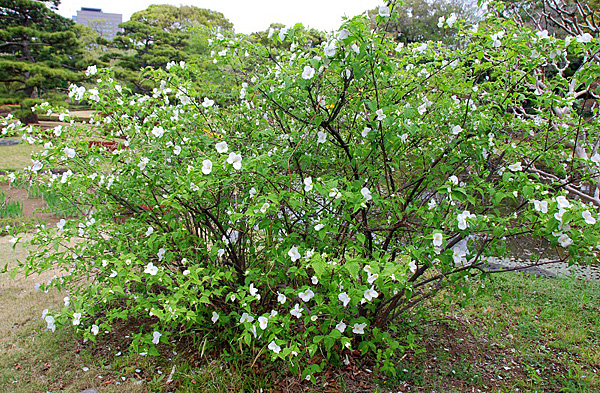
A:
(40, 53)
(418, 20)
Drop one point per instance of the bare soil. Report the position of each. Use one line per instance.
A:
(32, 207)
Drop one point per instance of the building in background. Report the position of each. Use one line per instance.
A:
(105, 24)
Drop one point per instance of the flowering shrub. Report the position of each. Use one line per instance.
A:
(349, 183)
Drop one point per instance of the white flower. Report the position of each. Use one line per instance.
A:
(308, 184)
(542, 35)
(595, 158)
(207, 166)
(235, 160)
(384, 10)
(341, 326)
(343, 34)
(177, 150)
(151, 269)
(540, 206)
(330, 49)
(432, 203)
(380, 114)
(462, 219)
(186, 272)
(66, 301)
(282, 33)
(453, 179)
(437, 239)
(215, 317)
(207, 102)
(314, 280)
(584, 38)
(308, 72)
(91, 70)
(220, 252)
(158, 131)
(161, 253)
(156, 337)
(321, 137)
(372, 278)
(36, 166)
(113, 274)
(143, 162)
(69, 152)
(359, 328)
(516, 167)
(412, 266)
(253, 291)
(294, 254)
(365, 132)
(221, 147)
(306, 295)
(355, 48)
(366, 193)
(370, 294)
(264, 207)
(451, 19)
(262, 322)
(246, 318)
(61, 224)
(318, 227)
(344, 298)
(149, 231)
(274, 347)
(565, 240)
(587, 216)
(456, 129)
(281, 298)
(297, 311)
(76, 318)
(50, 322)
(95, 330)
(335, 193)
(399, 47)
(563, 203)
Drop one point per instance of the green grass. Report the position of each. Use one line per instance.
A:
(17, 157)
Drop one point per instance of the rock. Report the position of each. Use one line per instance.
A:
(90, 390)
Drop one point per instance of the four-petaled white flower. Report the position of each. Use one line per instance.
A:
(149, 231)
(516, 167)
(215, 317)
(281, 298)
(207, 102)
(343, 34)
(262, 322)
(380, 114)
(61, 224)
(451, 19)
(456, 129)
(565, 240)
(264, 207)
(318, 227)
(540, 206)
(158, 131)
(76, 318)
(366, 193)
(595, 158)
(462, 219)
(438, 238)
(177, 150)
(359, 328)
(453, 179)
(306, 295)
(412, 266)
(294, 254)
(321, 137)
(341, 326)
(221, 147)
(253, 291)
(156, 337)
(297, 311)
(372, 278)
(91, 70)
(50, 323)
(314, 280)
(330, 49)
(344, 298)
(161, 253)
(69, 152)
(274, 347)
(207, 166)
(308, 184)
(151, 269)
(308, 72)
(584, 38)
(587, 216)
(246, 318)
(95, 330)
(370, 294)
(365, 132)
(563, 203)
(235, 160)
(384, 10)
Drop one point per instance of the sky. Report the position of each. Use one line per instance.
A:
(247, 16)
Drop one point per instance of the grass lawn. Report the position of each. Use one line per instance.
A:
(17, 157)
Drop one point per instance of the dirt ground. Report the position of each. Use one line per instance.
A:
(32, 207)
